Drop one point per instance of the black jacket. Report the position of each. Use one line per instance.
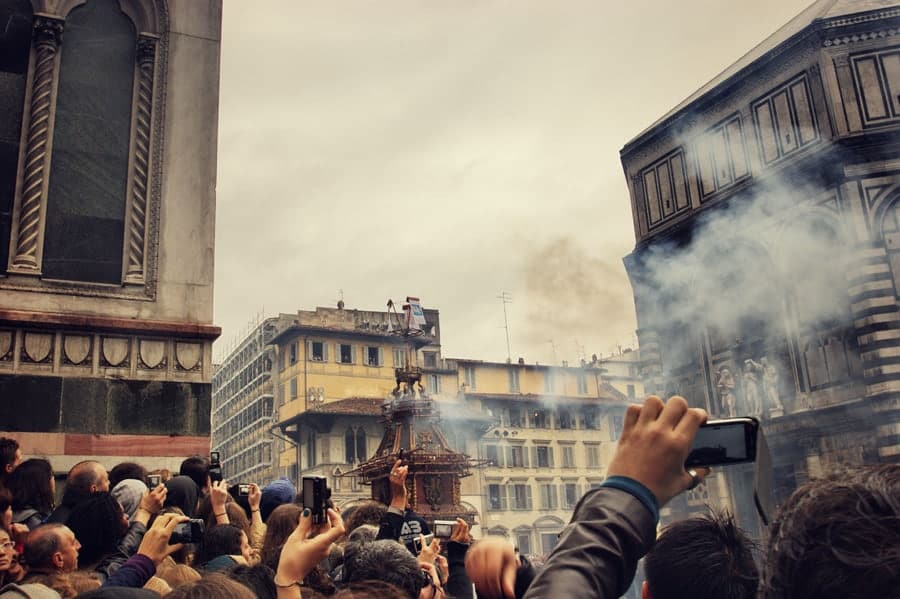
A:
(598, 551)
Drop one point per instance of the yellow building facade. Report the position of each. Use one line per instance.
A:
(545, 432)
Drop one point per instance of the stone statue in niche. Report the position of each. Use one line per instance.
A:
(752, 394)
(725, 389)
(771, 381)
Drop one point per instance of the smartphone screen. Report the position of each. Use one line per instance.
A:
(730, 441)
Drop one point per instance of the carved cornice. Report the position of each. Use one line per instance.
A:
(877, 15)
(846, 40)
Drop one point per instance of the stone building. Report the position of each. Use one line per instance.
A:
(766, 266)
(107, 202)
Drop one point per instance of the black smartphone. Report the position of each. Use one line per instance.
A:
(315, 497)
(187, 532)
(153, 481)
(728, 441)
(243, 490)
(215, 467)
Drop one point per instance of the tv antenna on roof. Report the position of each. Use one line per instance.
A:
(506, 298)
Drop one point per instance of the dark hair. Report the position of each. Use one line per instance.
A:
(371, 589)
(197, 469)
(98, 525)
(224, 539)
(127, 470)
(5, 502)
(40, 545)
(281, 523)
(368, 512)
(211, 586)
(703, 557)
(30, 486)
(236, 516)
(81, 478)
(8, 449)
(384, 560)
(259, 578)
(837, 536)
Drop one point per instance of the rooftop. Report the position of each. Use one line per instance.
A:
(825, 12)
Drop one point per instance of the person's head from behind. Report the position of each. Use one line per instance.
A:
(224, 539)
(367, 512)
(278, 492)
(10, 456)
(99, 524)
(837, 537)
(370, 589)
(706, 557)
(127, 471)
(84, 479)
(387, 561)
(32, 485)
(281, 523)
(212, 586)
(197, 468)
(51, 548)
(259, 578)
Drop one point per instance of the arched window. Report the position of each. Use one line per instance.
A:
(349, 446)
(361, 453)
(85, 222)
(828, 347)
(15, 45)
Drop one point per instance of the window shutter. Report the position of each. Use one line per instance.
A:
(509, 456)
(550, 456)
(381, 356)
(528, 501)
(503, 504)
(525, 456)
(534, 457)
(324, 352)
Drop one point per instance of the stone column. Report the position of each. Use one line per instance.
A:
(143, 113)
(29, 226)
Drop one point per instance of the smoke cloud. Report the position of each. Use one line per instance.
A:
(572, 295)
(760, 261)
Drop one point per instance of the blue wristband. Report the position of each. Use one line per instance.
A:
(640, 492)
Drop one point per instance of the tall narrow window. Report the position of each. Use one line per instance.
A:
(15, 44)
(85, 226)
(361, 444)
(349, 446)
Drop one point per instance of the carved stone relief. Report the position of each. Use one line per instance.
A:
(188, 356)
(6, 345)
(152, 354)
(115, 351)
(77, 349)
(38, 348)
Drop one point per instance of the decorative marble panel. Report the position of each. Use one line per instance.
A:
(785, 120)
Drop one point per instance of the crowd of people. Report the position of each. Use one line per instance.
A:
(112, 535)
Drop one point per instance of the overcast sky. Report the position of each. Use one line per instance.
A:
(452, 149)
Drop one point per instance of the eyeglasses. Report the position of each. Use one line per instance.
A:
(7, 545)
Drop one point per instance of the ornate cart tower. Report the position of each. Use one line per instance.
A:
(412, 430)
